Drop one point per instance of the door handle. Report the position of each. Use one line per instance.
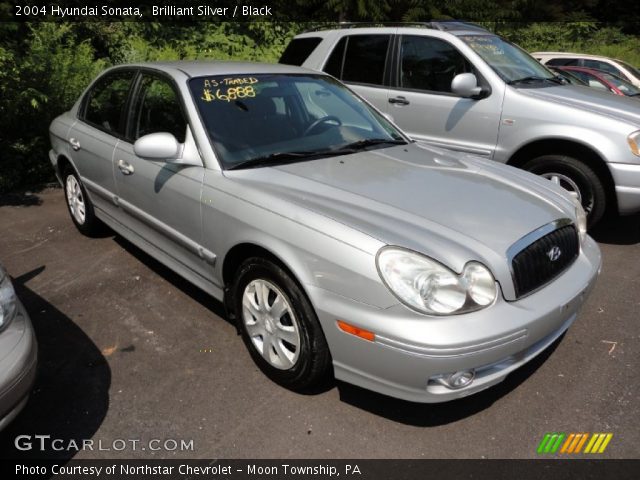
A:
(399, 101)
(125, 167)
(75, 144)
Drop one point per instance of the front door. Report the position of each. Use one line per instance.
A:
(422, 104)
(161, 200)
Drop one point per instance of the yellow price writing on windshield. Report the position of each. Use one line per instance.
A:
(231, 93)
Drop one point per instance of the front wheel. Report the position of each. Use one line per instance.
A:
(577, 178)
(279, 326)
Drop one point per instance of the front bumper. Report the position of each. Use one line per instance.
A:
(626, 178)
(410, 349)
(18, 361)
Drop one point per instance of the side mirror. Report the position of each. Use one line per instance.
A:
(157, 146)
(466, 85)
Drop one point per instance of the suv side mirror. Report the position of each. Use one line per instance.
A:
(157, 146)
(466, 85)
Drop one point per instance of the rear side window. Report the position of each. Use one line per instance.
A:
(105, 102)
(605, 67)
(564, 62)
(299, 50)
(334, 64)
(360, 59)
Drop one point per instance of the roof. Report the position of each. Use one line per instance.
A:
(571, 54)
(455, 27)
(198, 68)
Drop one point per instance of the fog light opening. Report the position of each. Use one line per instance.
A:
(458, 380)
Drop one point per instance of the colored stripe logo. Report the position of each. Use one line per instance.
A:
(574, 443)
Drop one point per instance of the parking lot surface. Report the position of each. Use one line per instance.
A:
(130, 353)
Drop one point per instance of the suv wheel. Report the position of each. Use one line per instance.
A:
(577, 178)
(279, 326)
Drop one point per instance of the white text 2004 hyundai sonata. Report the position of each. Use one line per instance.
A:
(339, 245)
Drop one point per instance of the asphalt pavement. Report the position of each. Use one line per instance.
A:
(133, 355)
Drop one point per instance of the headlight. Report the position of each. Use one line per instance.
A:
(581, 219)
(428, 286)
(634, 142)
(7, 299)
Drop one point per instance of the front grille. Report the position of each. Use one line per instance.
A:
(533, 266)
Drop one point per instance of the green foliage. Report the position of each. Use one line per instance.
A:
(45, 66)
(582, 37)
(38, 82)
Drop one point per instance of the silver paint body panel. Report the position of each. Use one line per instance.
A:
(326, 219)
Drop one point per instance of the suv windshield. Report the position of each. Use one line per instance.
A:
(259, 120)
(514, 65)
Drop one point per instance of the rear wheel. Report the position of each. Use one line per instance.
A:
(79, 205)
(575, 177)
(279, 326)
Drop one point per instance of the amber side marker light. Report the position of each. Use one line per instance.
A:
(358, 332)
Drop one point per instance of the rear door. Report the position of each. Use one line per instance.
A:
(362, 61)
(100, 125)
(422, 104)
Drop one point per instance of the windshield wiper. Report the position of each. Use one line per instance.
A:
(533, 78)
(369, 142)
(280, 158)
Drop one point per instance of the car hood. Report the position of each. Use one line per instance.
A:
(447, 206)
(589, 99)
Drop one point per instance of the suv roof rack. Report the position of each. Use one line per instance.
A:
(442, 25)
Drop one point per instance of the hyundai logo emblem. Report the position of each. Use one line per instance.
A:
(554, 253)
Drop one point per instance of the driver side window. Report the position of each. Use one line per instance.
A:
(430, 64)
(158, 109)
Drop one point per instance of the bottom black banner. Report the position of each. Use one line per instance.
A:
(322, 469)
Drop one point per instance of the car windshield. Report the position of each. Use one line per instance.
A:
(266, 119)
(632, 70)
(622, 85)
(510, 62)
(571, 78)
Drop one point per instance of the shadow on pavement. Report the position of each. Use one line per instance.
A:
(197, 294)
(70, 398)
(435, 414)
(618, 231)
(25, 199)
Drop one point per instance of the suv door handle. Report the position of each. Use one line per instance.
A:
(399, 101)
(125, 167)
(75, 144)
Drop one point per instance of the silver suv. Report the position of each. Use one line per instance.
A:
(458, 86)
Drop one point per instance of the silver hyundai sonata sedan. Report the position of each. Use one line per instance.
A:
(338, 245)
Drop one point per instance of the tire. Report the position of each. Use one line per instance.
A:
(574, 175)
(79, 205)
(288, 345)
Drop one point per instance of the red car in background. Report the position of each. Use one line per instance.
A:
(603, 80)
